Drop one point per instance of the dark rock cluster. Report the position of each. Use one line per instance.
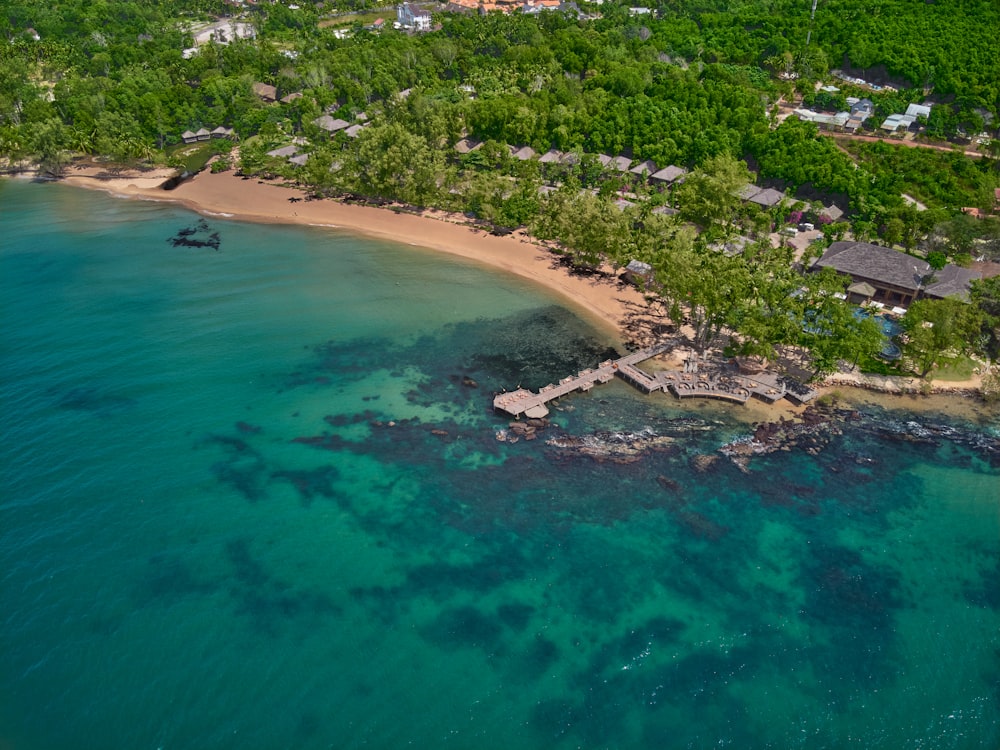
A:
(528, 430)
(611, 447)
(819, 424)
(199, 235)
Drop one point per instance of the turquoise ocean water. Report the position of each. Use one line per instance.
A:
(211, 535)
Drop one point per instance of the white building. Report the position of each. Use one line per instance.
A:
(918, 110)
(223, 32)
(409, 16)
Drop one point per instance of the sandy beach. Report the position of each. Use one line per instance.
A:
(616, 308)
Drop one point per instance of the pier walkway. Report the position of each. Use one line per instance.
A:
(532, 405)
(720, 383)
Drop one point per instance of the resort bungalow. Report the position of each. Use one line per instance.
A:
(644, 169)
(951, 281)
(266, 91)
(891, 277)
(551, 157)
(190, 136)
(861, 292)
(285, 152)
(638, 273)
(768, 197)
(614, 163)
(668, 175)
(832, 212)
(331, 124)
(732, 247)
(764, 197)
(620, 163)
(524, 154)
(467, 146)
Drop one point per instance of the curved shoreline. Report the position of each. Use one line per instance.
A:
(619, 310)
(608, 304)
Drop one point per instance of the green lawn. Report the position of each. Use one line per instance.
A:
(194, 156)
(365, 19)
(960, 369)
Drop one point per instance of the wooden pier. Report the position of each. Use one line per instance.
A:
(714, 383)
(533, 405)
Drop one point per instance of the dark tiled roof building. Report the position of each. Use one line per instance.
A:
(767, 197)
(668, 174)
(951, 281)
(265, 91)
(645, 169)
(898, 278)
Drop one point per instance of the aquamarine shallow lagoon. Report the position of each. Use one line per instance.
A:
(212, 536)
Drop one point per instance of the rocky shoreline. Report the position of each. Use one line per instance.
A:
(819, 425)
(895, 385)
(812, 431)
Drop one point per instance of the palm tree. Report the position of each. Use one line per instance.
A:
(81, 140)
(12, 145)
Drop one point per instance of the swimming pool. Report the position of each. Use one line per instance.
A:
(890, 329)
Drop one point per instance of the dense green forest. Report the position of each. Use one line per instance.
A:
(694, 84)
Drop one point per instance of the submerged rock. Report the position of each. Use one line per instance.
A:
(616, 447)
(820, 424)
(199, 235)
(668, 484)
(703, 462)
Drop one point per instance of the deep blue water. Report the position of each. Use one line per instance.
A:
(250, 499)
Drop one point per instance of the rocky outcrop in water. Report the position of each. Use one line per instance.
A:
(199, 235)
(703, 462)
(820, 424)
(527, 430)
(614, 447)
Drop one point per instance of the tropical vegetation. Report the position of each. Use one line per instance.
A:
(696, 84)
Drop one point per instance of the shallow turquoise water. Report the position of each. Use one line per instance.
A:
(212, 537)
